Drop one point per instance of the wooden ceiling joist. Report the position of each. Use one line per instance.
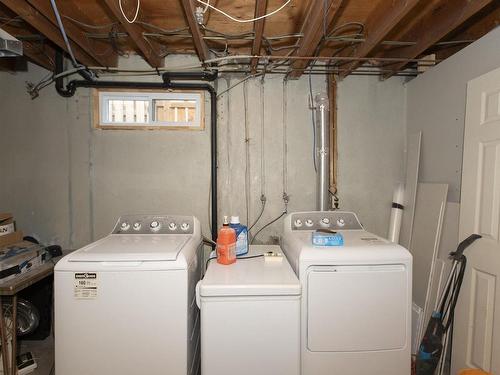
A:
(43, 56)
(75, 34)
(149, 48)
(313, 32)
(258, 28)
(378, 26)
(199, 43)
(38, 21)
(446, 17)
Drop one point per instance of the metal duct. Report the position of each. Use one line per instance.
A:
(9, 46)
(322, 152)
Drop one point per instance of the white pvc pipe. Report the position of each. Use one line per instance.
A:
(396, 213)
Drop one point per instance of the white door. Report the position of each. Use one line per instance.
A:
(476, 341)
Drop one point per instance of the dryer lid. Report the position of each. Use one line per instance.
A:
(132, 248)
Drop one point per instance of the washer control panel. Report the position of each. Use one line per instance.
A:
(333, 220)
(154, 224)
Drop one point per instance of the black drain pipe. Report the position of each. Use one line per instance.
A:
(71, 87)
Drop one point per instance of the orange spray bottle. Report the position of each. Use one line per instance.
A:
(226, 244)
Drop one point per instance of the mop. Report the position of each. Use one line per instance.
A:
(435, 342)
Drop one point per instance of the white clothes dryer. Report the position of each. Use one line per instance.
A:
(356, 297)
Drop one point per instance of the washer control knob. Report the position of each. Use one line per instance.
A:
(172, 226)
(340, 222)
(137, 226)
(125, 226)
(309, 223)
(325, 222)
(155, 225)
(184, 226)
(298, 223)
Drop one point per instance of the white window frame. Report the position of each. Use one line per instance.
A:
(103, 97)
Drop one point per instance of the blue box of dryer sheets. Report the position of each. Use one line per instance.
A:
(327, 239)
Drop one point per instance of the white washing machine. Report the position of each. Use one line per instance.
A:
(356, 298)
(250, 317)
(126, 304)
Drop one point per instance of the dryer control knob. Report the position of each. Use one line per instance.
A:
(137, 226)
(325, 222)
(298, 223)
(184, 226)
(125, 226)
(340, 222)
(172, 226)
(309, 223)
(155, 225)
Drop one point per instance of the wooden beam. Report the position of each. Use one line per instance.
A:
(378, 26)
(199, 42)
(445, 18)
(37, 20)
(150, 48)
(75, 34)
(470, 31)
(312, 30)
(258, 29)
(43, 56)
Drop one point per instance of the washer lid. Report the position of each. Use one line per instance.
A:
(250, 277)
(132, 248)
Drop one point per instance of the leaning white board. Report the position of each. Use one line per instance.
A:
(430, 207)
(448, 243)
(412, 166)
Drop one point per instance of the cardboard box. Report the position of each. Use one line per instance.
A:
(6, 224)
(11, 238)
(8, 234)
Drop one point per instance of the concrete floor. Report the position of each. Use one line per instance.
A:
(43, 351)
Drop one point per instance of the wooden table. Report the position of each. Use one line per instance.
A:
(10, 288)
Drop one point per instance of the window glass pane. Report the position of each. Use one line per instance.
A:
(182, 111)
(128, 111)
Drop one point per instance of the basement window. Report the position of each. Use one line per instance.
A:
(148, 109)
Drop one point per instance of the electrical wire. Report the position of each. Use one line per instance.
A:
(313, 120)
(268, 224)
(237, 258)
(238, 83)
(284, 109)
(206, 7)
(207, 4)
(247, 153)
(7, 21)
(63, 33)
(263, 141)
(208, 261)
(136, 11)
(165, 31)
(263, 200)
(96, 27)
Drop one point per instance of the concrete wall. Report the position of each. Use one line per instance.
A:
(67, 182)
(436, 106)
(371, 137)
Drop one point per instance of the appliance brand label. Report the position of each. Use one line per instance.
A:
(85, 285)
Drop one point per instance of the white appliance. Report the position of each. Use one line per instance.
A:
(126, 303)
(250, 316)
(356, 298)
